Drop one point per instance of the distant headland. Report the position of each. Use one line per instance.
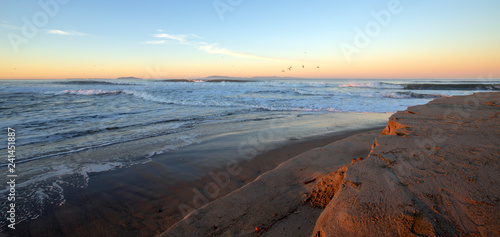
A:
(129, 78)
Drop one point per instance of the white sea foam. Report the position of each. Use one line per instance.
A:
(400, 95)
(177, 143)
(375, 85)
(47, 188)
(360, 84)
(91, 92)
(408, 95)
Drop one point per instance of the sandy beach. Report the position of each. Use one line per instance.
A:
(433, 171)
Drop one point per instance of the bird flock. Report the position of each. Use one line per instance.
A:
(290, 68)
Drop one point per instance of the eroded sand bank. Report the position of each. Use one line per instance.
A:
(434, 172)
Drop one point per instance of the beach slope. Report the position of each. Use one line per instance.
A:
(273, 203)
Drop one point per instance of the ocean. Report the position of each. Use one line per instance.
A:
(68, 129)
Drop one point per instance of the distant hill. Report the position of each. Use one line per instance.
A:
(129, 78)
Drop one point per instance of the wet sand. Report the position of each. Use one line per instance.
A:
(273, 203)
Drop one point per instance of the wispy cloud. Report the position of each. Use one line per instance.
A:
(156, 42)
(212, 48)
(180, 38)
(65, 33)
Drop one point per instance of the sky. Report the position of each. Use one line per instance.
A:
(57, 39)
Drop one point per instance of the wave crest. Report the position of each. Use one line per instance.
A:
(91, 92)
(409, 95)
(469, 86)
(379, 85)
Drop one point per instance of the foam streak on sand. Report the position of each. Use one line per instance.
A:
(432, 172)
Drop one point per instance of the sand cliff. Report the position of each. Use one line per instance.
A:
(433, 171)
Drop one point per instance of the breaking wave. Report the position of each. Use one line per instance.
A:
(437, 86)
(379, 85)
(408, 95)
(92, 92)
(423, 86)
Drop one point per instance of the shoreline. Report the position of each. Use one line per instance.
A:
(244, 172)
(144, 199)
(455, 164)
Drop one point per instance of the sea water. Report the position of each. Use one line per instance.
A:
(67, 129)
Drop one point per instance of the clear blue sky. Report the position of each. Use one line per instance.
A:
(177, 39)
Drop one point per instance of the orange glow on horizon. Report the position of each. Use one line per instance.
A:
(394, 67)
